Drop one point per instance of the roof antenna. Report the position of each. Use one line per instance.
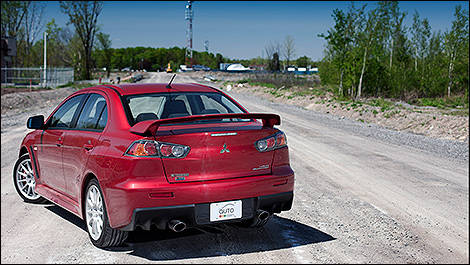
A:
(169, 84)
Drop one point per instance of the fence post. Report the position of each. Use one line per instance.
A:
(30, 85)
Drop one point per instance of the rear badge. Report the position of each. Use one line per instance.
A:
(225, 149)
(180, 176)
(260, 167)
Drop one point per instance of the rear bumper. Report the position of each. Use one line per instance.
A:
(198, 214)
(132, 193)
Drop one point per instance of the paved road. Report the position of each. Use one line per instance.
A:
(357, 200)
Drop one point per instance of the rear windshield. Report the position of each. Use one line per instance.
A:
(171, 105)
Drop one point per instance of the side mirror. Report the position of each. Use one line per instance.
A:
(35, 122)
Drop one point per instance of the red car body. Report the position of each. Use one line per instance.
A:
(146, 191)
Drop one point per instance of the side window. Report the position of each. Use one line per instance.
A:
(62, 118)
(94, 109)
(103, 119)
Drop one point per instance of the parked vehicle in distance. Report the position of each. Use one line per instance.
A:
(137, 78)
(198, 67)
(142, 156)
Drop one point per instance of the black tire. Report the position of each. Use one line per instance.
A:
(254, 222)
(21, 160)
(109, 237)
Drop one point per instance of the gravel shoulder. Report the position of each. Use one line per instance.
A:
(363, 194)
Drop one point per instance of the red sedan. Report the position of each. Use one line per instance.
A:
(147, 156)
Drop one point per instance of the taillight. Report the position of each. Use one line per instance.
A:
(149, 148)
(272, 142)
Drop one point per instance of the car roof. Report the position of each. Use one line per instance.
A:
(133, 89)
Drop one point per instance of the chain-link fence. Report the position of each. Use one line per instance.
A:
(35, 76)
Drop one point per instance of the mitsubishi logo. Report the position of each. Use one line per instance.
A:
(225, 149)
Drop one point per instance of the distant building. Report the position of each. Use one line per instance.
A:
(8, 50)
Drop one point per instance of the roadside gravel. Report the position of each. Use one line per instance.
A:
(441, 147)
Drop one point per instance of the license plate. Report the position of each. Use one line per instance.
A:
(225, 210)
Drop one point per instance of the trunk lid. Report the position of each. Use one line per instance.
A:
(217, 153)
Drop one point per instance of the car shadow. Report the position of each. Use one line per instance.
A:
(67, 216)
(221, 240)
(211, 241)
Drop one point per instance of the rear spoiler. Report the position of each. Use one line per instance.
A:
(150, 127)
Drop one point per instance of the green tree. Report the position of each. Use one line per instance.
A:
(84, 16)
(104, 47)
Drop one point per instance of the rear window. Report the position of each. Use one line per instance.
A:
(171, 105)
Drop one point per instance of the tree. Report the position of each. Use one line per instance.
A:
(288, 49)
(32, 24)
(367, 39)
(13, 13)
(84, 16)
(104, 45)
(456, 40)
(303, 61)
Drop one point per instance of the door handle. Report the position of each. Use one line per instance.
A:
(88, 147)
(59, 142)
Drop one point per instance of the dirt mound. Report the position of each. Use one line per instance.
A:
(23, 101)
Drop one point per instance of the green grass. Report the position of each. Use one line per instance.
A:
(441, 103)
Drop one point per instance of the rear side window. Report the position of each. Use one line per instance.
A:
(62, 118)
(94, 112)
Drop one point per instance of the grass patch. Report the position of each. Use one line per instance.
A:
(441, 103)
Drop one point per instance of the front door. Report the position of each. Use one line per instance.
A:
(50, 149)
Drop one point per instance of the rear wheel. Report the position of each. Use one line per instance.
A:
(25, 183)
(101, 233)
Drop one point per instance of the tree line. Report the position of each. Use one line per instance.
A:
(374, 53)
(85, 47)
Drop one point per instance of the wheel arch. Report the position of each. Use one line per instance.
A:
(88, 177)
(23, 150)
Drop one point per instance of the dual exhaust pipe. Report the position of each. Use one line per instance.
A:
(179, 226)
(176, 225)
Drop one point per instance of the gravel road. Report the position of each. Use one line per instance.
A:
(363, 195)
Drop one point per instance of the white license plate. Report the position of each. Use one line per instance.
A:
(225, 210)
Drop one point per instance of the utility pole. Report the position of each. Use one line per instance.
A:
(189, 33)
(45, 59)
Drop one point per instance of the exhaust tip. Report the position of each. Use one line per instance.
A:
(263, 215)
(176, 225)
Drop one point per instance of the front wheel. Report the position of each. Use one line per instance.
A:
(101, 233)
(25, 183)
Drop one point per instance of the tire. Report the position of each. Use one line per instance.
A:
(95, 215)
(24, 180)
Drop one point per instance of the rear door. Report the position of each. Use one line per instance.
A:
(80, 143)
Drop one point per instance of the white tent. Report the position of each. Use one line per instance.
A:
(237, 67)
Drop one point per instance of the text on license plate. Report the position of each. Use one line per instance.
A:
(225, 210)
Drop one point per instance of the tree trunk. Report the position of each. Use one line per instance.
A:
(451, 66)
(391, 57)
(416, 60)
(341, 83)
(359, 88)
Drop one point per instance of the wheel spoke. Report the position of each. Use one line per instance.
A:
(23, 174)
(24, 169)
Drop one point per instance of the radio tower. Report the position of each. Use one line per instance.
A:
(189, 33)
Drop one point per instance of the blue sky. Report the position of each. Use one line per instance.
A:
(237, 29)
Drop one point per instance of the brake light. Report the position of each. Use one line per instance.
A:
(149, 148)
(272, 142)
